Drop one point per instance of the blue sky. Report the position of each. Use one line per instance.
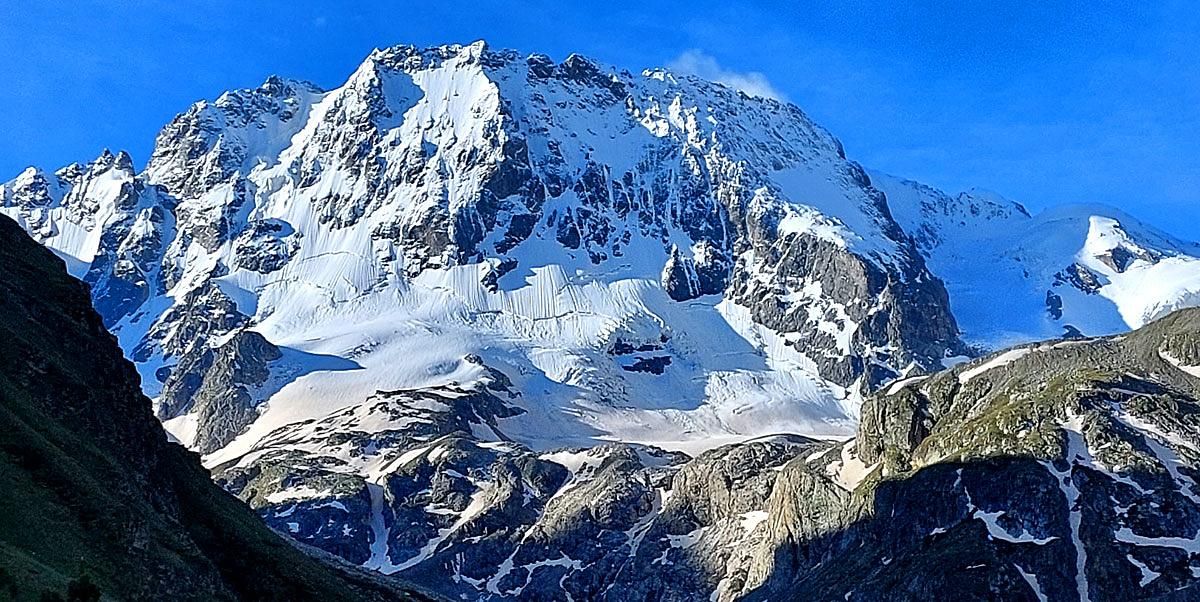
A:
(1046, 102)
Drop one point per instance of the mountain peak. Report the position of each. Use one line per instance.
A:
(279, 86)
(382, 311)
(490, 169)
(409, 57)
(104, 161)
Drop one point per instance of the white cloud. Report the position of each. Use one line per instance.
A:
(696, 62)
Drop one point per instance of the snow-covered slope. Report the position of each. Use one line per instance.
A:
(1015, 277)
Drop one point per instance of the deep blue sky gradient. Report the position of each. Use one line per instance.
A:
(1045, 102)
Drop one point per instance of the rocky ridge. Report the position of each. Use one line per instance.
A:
(1060, 470)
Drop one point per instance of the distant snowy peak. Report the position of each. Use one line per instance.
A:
(1144, 273)
(1015, 277)
(931, 216)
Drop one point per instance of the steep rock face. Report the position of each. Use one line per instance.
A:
(91, 487)
(219, 386)
(212, 142)
(1061, 470)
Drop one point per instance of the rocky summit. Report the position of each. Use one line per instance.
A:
(512, 327)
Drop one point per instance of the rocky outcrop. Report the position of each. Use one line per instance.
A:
(219, 387)
(679, 277)
(425, 497)
(1040, 473)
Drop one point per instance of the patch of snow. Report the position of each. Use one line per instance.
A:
(1191, 370)
(303, 492)
(1147, 575)
(687, 540)
(995, 531)
(1170, 460)
(751, 520)
(954, 360)
(477, 504)
(1078, 452)
(182, 428)
(380, 533)
(1032, 580)
(1000, 360)
(637, 533)
(848, 470)
(1066, 483)
(1189, 544)
(896, 386)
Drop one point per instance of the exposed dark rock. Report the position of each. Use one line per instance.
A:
(1054, 305)
(1067, 456)
(1079, 277)
(654, 364)
(217, 385)
(679, 277)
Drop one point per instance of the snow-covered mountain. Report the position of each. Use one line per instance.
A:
(460, 316)
(1015, 277)
(652, 258)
